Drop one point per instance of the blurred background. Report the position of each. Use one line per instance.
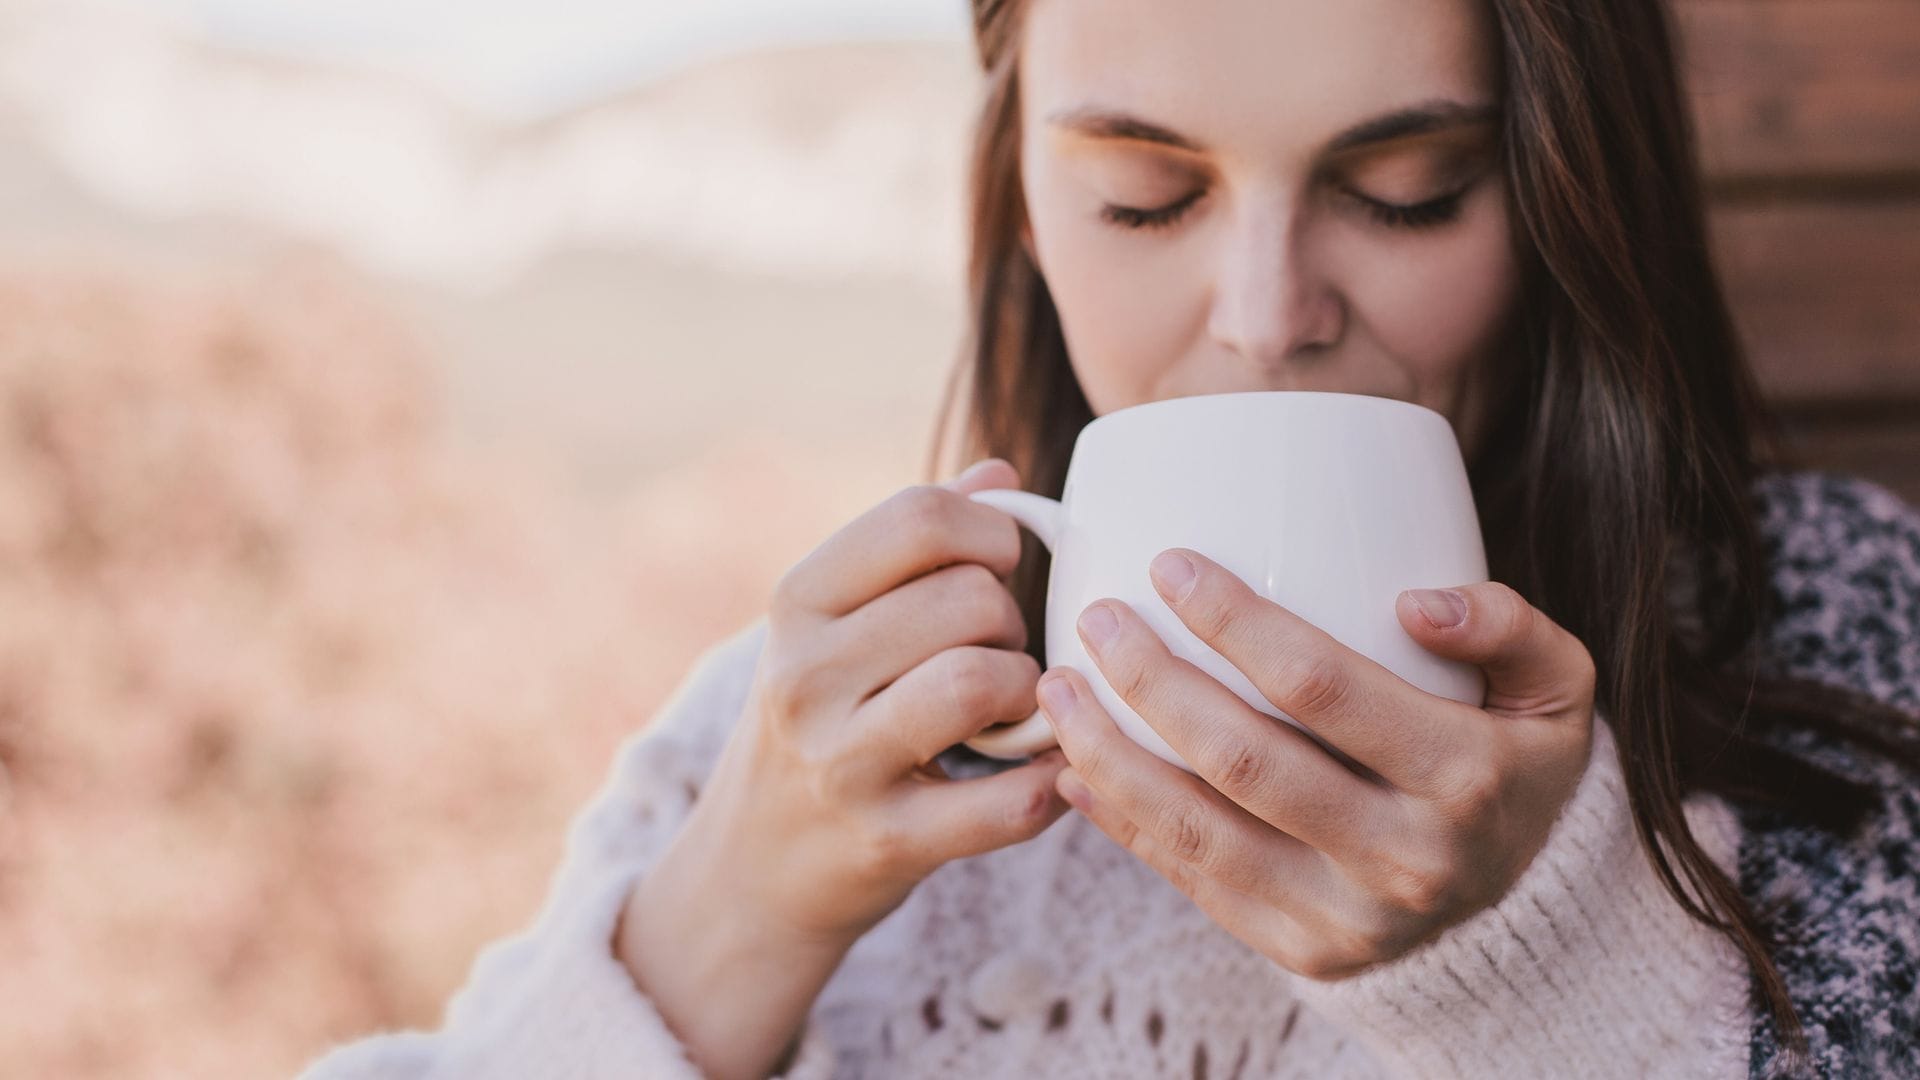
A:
(397, 395)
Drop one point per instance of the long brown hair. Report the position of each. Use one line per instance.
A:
(1634, 405)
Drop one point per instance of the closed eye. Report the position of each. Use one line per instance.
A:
(1424, 215)
(1128, 217)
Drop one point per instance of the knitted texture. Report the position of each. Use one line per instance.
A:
(1067, 957)
(1846, 911)
(1586, 963)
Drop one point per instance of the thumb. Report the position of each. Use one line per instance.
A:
(984, 474)
(1534, 666)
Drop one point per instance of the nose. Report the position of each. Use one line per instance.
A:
(1271, 302)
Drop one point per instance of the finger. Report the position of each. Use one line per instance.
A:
(1534, 666)
(1270, 770)
(948, 608)
(986, 473)
(957, 818)
(1197, 824)
(1264, 923)
(919, 529)
(946, 699)
(1359, 707)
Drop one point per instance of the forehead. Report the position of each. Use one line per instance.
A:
(1255, 78)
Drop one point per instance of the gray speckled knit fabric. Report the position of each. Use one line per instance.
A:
(1845, 557)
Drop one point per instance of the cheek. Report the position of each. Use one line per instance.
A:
(1442, 309)
(1127, 303)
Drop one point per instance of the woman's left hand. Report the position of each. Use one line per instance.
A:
(1323, 869)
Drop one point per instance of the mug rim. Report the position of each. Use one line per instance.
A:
(1180, 402)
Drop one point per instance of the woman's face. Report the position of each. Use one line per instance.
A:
(1231, 195)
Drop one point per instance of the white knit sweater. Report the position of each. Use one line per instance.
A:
(1067, 957)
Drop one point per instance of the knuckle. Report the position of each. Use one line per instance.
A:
(1503, 595)
(972, 601)
(923, 511)
(1182, 833)
(1304, 961)
(1519, 616)
(830, 777)
(834, 776)
(973, 682)
(1030, 669)
(1358, 931)
(1421, 891)
(791, 689)
(1474, 789)
(1215, 617)
(1324, 958)
(1316, 963)
(1358, 941)
(1241, 768)
(1092, 761)
(1146, 838)
(1313, 681)
(1135, 682)
(1031, 814)
(974, 577)
(984, 601)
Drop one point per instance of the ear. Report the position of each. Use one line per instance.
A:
(1026, 242)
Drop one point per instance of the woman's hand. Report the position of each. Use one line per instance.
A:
(892, 641)
(1321, 868)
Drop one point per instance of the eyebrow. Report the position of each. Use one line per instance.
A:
(1421, 119)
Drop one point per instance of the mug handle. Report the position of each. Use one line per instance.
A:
(1042, 517)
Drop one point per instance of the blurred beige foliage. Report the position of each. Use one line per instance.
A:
(296, 693)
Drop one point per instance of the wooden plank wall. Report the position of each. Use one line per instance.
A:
(1809, 119)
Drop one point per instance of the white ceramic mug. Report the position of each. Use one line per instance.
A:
(1327, 504)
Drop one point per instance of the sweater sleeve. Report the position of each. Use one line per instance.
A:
(554, 1000)
(1586, 968)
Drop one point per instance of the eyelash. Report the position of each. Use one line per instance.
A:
(1128, 217)
(1426, 215)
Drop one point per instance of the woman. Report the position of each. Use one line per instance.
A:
(1694, 714)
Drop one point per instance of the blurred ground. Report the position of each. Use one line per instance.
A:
(331, 576)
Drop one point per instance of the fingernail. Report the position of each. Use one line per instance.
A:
(1098, 624)
(1057, 696)
(1442, 607)
(1073, 789)
(1173, 573)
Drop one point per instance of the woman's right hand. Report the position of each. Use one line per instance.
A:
(893, 640)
